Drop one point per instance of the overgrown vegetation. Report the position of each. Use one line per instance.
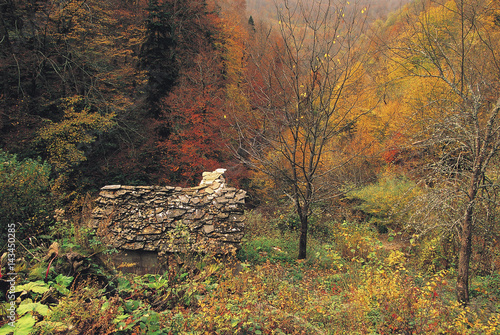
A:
(355, 281)
(372, 155)
(25, 187)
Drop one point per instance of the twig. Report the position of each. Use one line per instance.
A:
(28, 251)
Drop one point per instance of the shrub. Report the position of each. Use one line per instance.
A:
(262, 249)
(436, 253)
(385, 200)
(394, 299)
(355, 241)
(25, 197)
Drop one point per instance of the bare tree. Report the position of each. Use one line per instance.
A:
(304, 86)
(453, 47)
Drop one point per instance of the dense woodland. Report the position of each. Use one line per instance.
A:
(367, 134)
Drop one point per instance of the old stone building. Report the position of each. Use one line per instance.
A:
(147, 223)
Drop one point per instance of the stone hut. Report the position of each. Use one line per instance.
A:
(147, 223)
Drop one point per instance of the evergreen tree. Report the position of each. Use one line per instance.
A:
(158, 52)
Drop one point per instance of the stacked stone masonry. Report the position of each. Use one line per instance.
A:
(206, 218)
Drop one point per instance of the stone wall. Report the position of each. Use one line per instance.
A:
(155, 220)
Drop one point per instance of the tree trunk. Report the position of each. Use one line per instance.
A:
(466, 239)
(303, 234)
(464, 258)
(303, 212)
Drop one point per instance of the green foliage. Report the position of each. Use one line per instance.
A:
(351, 285)
(287, 220)
(62, 283)
(179, 238)
(141, 304)
(36, 307)
(25, 198)
(38, 286)
(24, 325)
(355, 241)
(487, 287)
(385, 200)
(263, 249)
(437, 252)
(77, 311)
(32, 306)
(158, 52)
(69, 141)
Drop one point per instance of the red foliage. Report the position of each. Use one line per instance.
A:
(193, 112)
(392, 152)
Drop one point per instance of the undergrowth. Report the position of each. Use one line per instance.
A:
(351, 283)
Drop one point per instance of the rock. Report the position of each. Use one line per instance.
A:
(151, 230)
(175, 213)
(209, 217)
(111, 187)
(208, 229)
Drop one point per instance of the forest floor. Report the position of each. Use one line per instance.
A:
(354, 281)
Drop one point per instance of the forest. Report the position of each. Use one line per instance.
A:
(366, 133)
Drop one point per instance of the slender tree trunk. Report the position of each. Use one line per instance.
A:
(304, 222)
(303, 212)
(464, 258)
(465, 251)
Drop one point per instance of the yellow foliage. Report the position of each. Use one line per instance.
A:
(63, 140)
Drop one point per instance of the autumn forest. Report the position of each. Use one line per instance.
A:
(366, 133)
